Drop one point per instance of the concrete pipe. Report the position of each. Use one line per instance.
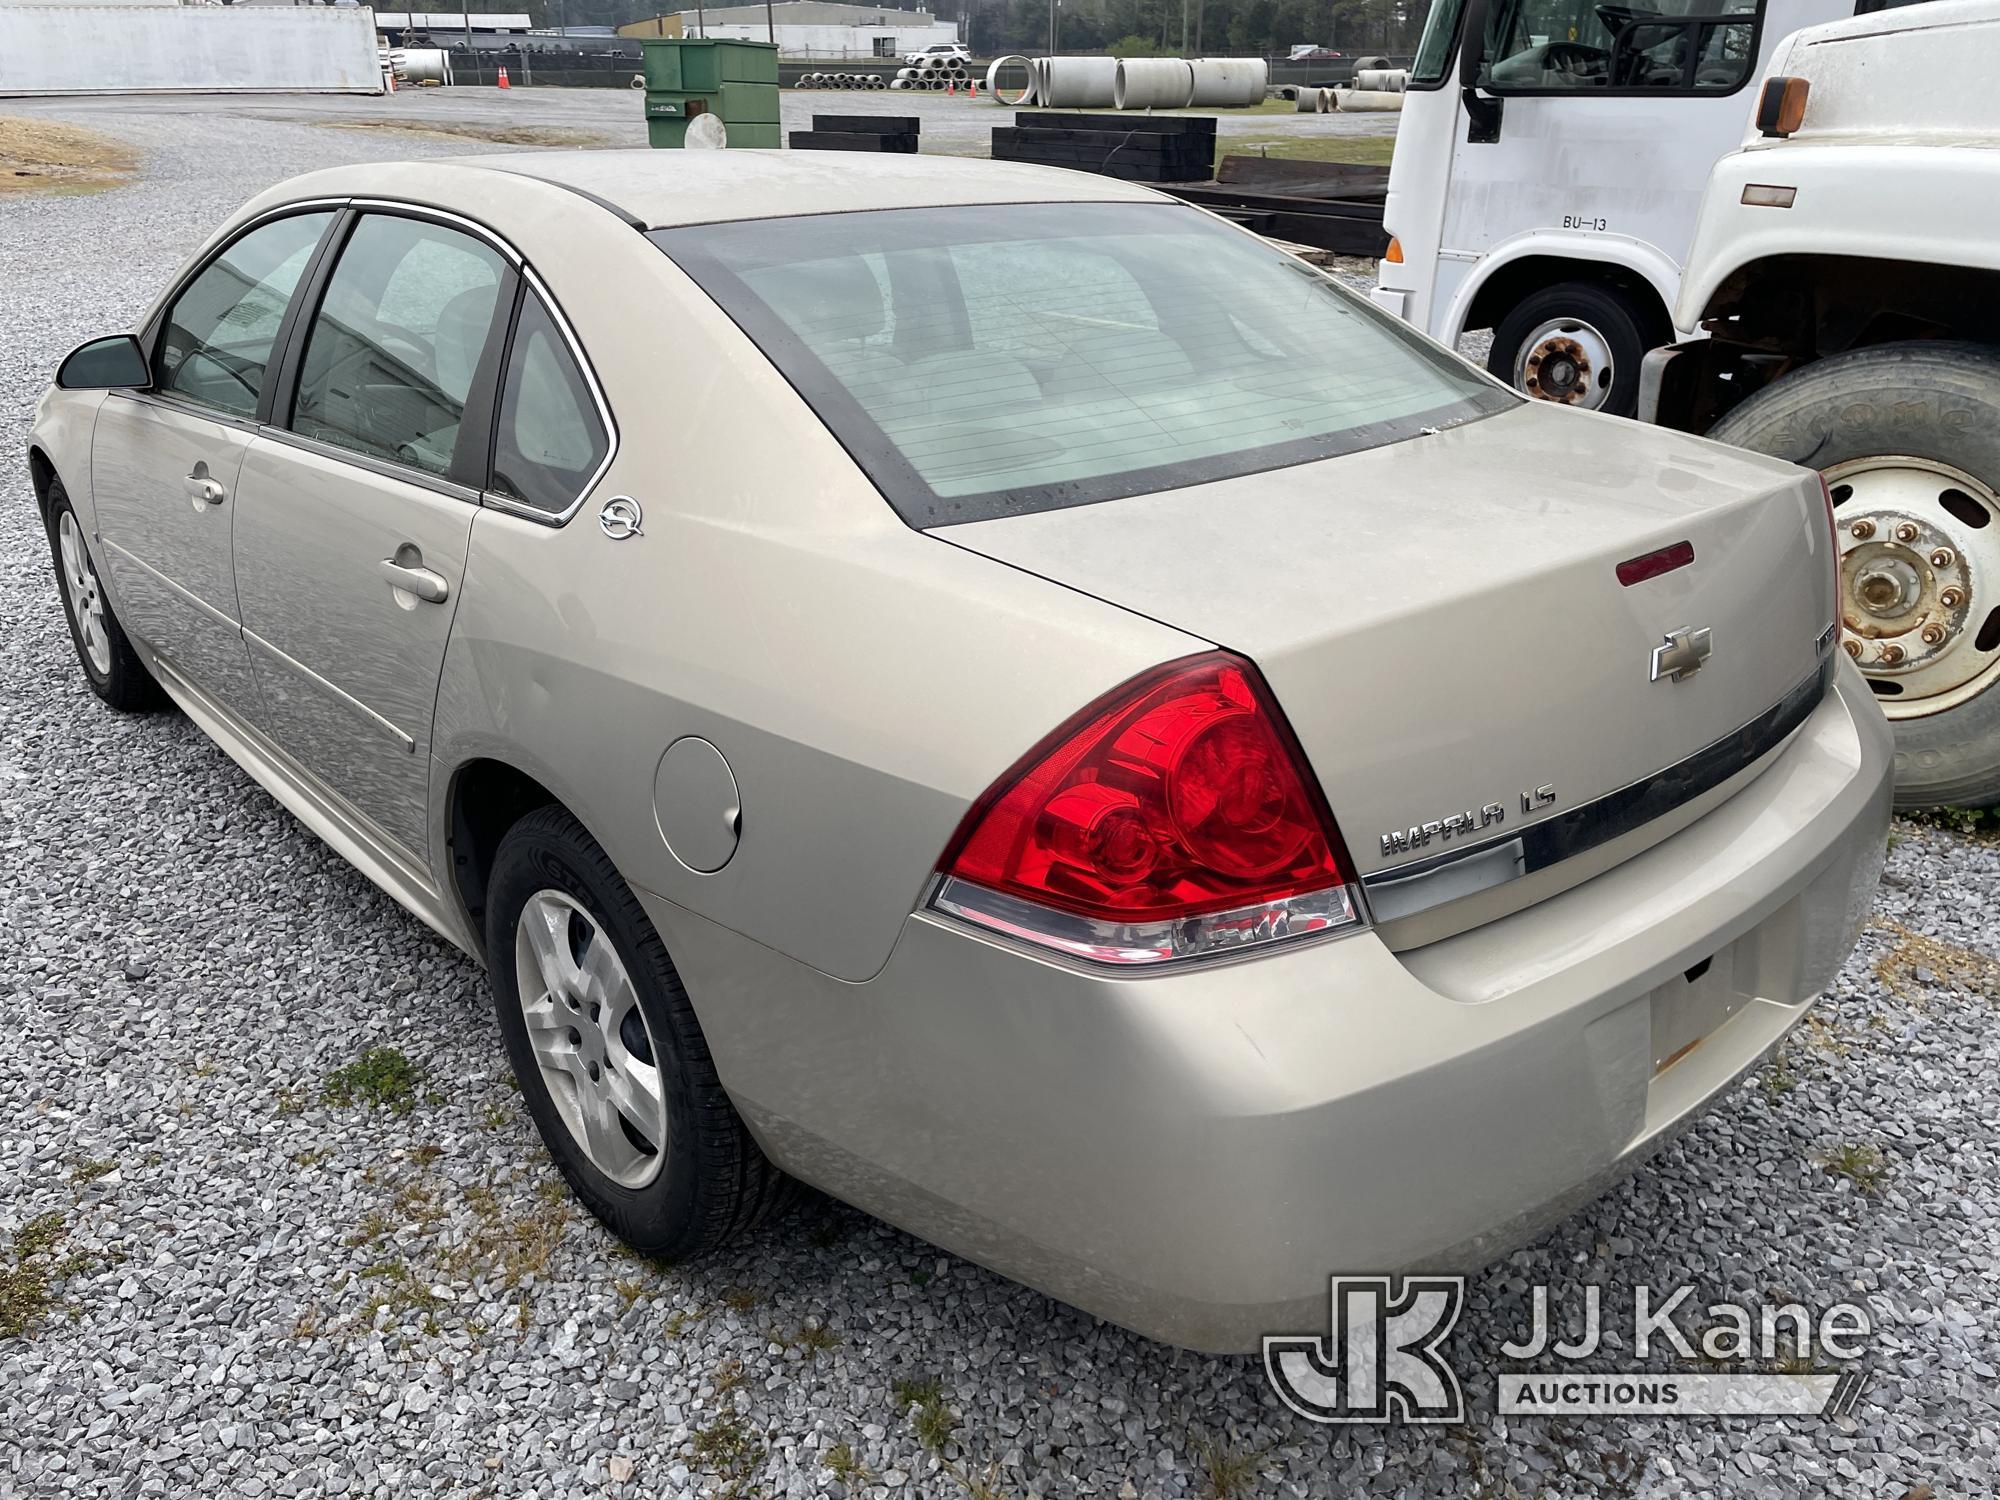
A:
(1370, 62)
(1152, 83)
(1077, 82)
(1308, 101)
(420, 64)
(1229, 82)
(1367, 101)
(993, 84)
(901, 83)
(1384, 80)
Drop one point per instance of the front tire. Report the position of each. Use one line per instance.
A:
(1908, 438)
(609, 1054)
(1576, 344)
(110, 665)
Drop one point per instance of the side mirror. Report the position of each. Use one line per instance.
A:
(116, 363)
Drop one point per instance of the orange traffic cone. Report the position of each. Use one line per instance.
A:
(503, 80)
(972, 87)
(950, 88)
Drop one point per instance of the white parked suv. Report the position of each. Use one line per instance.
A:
(942, 52)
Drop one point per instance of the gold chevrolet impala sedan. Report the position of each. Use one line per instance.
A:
(991, 692)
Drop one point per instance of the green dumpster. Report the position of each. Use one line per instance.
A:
(735, 81)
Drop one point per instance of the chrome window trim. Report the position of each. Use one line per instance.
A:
(510, 506)
(406, 209)
(174, 404)
(1419, 885)
(148, 325)
(387, 468)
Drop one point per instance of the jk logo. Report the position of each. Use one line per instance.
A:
(1380, 1362)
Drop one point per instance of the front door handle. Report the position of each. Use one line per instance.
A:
(422, 582)
(201, 489)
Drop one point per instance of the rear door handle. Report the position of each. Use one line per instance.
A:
(425, 584)
(201, 489)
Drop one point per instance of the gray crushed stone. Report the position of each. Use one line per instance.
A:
(271, 1295)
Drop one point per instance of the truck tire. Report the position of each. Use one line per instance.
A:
(1908, 439)
(1577, 343)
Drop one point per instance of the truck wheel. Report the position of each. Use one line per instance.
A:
(1577, 343)
(1908, 438)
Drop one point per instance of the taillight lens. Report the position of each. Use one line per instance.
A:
(1172, 819)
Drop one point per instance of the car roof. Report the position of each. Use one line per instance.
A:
(662, 189)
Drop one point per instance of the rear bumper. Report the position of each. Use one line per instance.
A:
(1193, 1154)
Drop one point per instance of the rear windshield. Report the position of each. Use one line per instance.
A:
(990, 361)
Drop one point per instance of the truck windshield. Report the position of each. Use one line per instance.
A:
(1694, 46)
(983, 361)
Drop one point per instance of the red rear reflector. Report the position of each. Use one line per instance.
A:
(1653, 564)
(1179, 796)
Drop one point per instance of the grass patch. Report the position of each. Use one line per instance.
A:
(505, 135)
(1862, 1164)
(48, 156)
(27, 1286)
(728, 1450)
(381, 1076)
(811, 1339)
(1352, 150)
(1224, 1468)
(91, 1170)
(739, 1298)
(923, 1399)
(1982, 823)
(844, 1464)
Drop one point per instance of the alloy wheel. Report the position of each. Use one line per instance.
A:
(590, 1038)
(86, 598)
(1919, 580)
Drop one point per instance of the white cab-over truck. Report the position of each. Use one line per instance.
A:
(1549, 165)
(1840, 307)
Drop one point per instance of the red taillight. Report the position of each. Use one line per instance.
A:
(1179, 797)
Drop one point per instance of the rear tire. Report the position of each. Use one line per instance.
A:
(1578, 343)
(110, 665)
(704, 1180)
(1909, 434)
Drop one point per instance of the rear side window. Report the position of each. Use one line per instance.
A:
(216, 342)
(392, 350)
(551, 441)
(993, 360)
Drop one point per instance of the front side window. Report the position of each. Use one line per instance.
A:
(215, 344)
(550, 441)
(1435, 48)
(984, 361)
(1684, 46)
(391, 353)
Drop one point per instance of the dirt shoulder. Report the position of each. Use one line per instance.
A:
(49, 156)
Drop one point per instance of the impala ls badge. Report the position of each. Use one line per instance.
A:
(1684, 652)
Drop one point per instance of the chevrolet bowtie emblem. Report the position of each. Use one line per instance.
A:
(1684, 652)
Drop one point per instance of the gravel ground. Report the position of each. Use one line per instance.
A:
(253, 1289)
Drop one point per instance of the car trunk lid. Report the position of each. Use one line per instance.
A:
(1443, 622)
